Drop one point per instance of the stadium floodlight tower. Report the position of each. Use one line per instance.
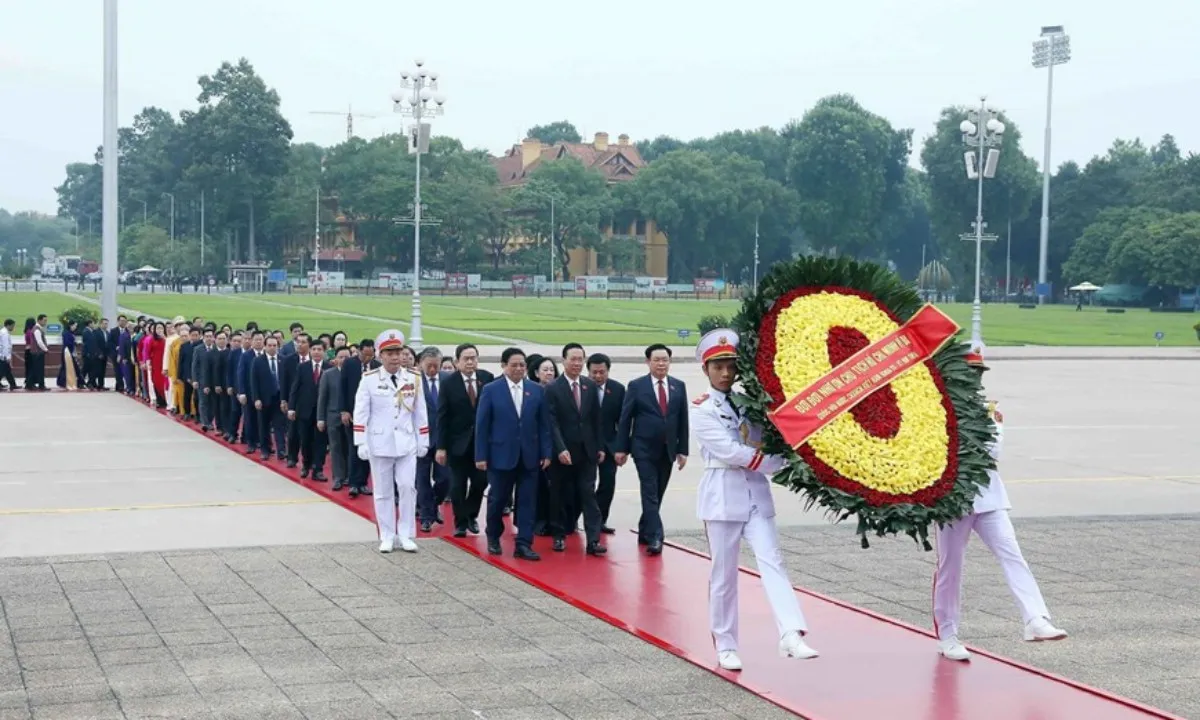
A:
(982, 131)
(418, 98)
(1054, 48)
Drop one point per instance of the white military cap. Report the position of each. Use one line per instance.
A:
(389, 339)
(716, 345)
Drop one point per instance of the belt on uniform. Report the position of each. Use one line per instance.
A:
(714, 464)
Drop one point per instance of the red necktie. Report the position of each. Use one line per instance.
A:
(662, 398)
(316, 373)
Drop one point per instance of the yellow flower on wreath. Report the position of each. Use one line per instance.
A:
(909, 462)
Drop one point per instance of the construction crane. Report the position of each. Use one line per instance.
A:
(349, 118)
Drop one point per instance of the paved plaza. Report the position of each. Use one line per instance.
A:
(147, 572)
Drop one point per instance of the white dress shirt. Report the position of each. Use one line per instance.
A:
(517, 390)
(5, 344)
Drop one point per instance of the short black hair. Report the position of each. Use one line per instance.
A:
(122, 317)
(256, 332)
(208, 330)
(317, 344)
(42, 316)
(366, 342)
(295, 326)
(509, 353)
(651, 349)
(572, 346)
(9, 322)
(222, 332)
(339, 350)
(599, 359)
(458, 351)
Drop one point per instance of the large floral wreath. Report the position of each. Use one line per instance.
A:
(914, 451)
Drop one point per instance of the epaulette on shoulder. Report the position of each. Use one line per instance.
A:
(372, 371)
(700, 400)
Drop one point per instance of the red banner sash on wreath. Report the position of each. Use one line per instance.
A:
(863, 373)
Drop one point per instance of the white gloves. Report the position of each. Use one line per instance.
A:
(364, 453)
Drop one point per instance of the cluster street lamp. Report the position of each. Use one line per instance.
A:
(980, 131)
(419, 99)
(1053, 49)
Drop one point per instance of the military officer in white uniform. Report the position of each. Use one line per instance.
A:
(990, 521)
(734, 501)
(391, 430)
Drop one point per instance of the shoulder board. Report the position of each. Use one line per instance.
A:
(700, 400)
(372, 371)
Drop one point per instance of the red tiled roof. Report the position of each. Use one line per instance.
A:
(616, 162)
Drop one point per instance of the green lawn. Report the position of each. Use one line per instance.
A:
(488, 321)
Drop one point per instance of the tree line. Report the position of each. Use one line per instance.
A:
(839, 180)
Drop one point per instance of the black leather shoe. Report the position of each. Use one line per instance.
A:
(607, 530)
(338, 485)
(303, 471)
(319, 476)
(460, 532)
(494, 548)
(426, 526)
(291, 463)
(655, 548)
(596, 549)
(524, 553)
(560, 544)
(473, 526)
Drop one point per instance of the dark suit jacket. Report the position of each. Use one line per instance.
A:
(287, 374)
(201, 366)
(263, 385)
(610, 413)
(329, 396)
(94, 343)
(505, 440)
(216, 371)
(186, 349)
(232, 364)
(245, 370)
(455, 418)
(113, 342)
(125, 347)
(431, 402)
(352, 372)
(643, 430)
(575, 429)
(303, 394)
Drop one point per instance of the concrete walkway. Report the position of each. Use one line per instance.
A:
(93, 472)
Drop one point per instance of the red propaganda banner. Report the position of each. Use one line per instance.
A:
(863, 373)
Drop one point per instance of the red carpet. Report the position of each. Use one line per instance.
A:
(870, 666)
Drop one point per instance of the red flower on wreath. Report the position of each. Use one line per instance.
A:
(879, 414)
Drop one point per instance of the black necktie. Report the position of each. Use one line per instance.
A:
(393, 381)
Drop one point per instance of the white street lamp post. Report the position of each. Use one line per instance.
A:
(172, 197)
(981, 130)
(1053, 49)
(421, 101)
(108, 245)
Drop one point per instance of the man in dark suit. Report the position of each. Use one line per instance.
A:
(512, 441)
(218, 360)
(455, 439)
(612, 395)
(288, 365)
(352, 373)
(187, 349)
(654, 429)
(329, 417)
(114, 352)
(578, 448)
(302, 412)
(292, 346)
(433, 480)
(265, 391)
(233, 410)
(245, 394)
(201, 375)
(94, 341)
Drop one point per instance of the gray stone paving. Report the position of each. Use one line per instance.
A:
(1127, 591)
(329, 631)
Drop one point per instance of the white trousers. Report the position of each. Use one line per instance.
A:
(395, 478)
(995, 529)
(724, 545)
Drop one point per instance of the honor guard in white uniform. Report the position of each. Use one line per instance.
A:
(734, 501)
(391, 430)
(990, 521)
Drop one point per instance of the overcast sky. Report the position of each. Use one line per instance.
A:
(644, 68)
